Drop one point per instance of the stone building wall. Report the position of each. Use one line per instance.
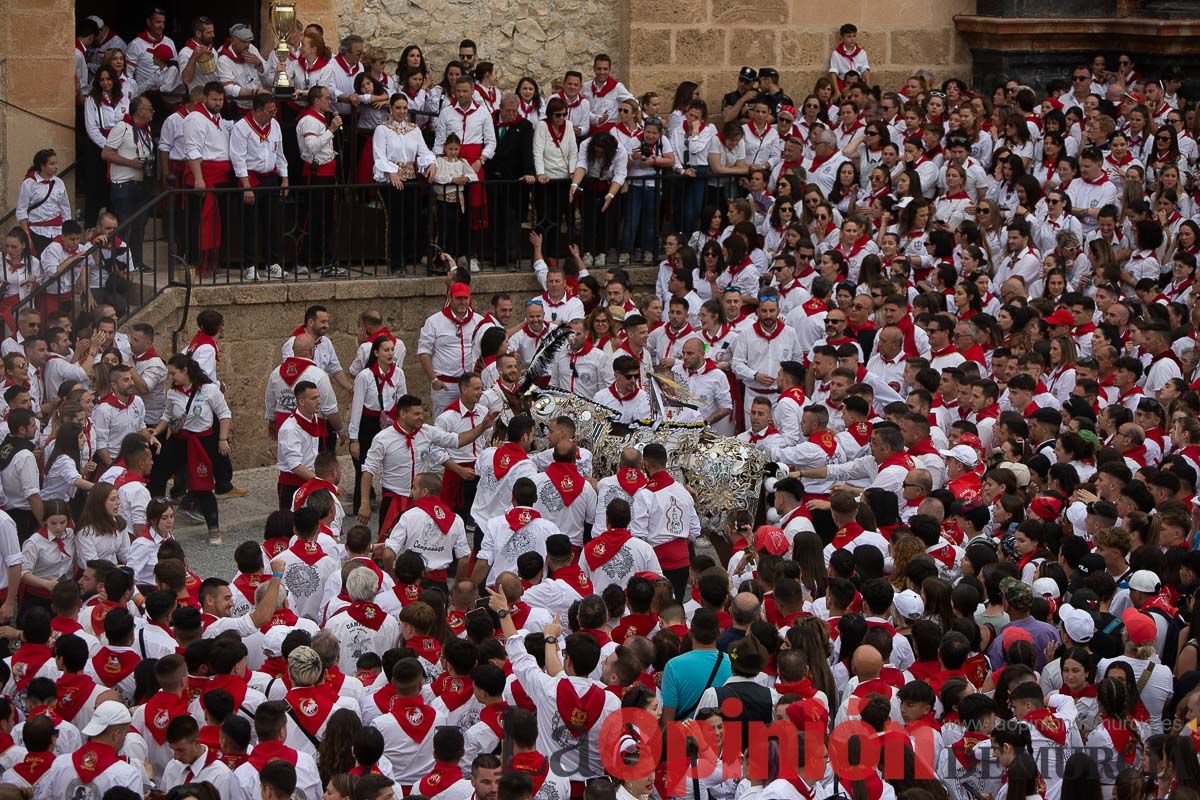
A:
(36, 72)
(258, 318)
(709, 40)
(542, 38)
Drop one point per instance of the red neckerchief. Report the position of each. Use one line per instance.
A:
(340, 60)
(74, 689)
(672, 338)
(817, 163)
(316, 65)
(319, 117)
(846, 535)
(769, 336)
(441, 514)
(579, 713)
(273, 750)
(507, 456)
(200, 339)
(309, 552)
(602, 91)
(659, 481)
(638, 624)
(1048, 725)
(263, 133)
(755, 437)
(599, 550)
(444, 775)
(627, 397)
(841, 49)
(129, 476)
(630, 479)
(227, 51)
(160, 710)
(34, 766)
(312, 705)
(518, 517)
(556, 137)
(487, 94)
(91, 760)
(454, 690)
(566, 479)
(62, 548)
(26, 662)
(721, 334)
(313, 427)
(415, 718)
(708, 366)
(364, 613)
(897, 459)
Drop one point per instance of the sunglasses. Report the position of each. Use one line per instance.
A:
(559, 115)
(811, 106)
(1081, 77)
(784, 208)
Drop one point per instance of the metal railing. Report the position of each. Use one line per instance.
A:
(351, 230)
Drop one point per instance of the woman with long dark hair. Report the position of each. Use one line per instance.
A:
(105, 105)
(598, 177)
(197, 418)
(42, 201)
(375, 391)
(555, 155)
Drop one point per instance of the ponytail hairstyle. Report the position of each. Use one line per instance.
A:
(40, 158)
(185, 362)
(1015, 733)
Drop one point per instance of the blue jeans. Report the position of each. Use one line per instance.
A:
(641, 223)
(126, 198)
(693, 200)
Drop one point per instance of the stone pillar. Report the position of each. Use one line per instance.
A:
(36, 72)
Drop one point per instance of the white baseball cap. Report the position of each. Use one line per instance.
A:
(961, 453)
(99, 22)
(1144, 581)
(107, 714)
(908, 604)
(272, 645)
(1046, 587)
(1018, 469)
(1078, 623)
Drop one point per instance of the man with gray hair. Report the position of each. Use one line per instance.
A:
(362, 626)
(310, 701)
(822, 168)
(347, 65)
(885, 467)
(330, 650)
(241, 69)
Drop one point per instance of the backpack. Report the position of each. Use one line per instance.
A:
(1171, 645)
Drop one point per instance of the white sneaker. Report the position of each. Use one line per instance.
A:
(301, 269)
(275, 271)
(599, 260)
(475, 265)
(249, 274)
(334, 272)
(587, 259)
(623, 260)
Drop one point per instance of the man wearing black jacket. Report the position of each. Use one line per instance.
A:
(513, 161)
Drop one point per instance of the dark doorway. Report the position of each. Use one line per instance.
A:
(129, 18)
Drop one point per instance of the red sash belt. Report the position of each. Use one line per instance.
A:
(214, 174)
(475, 195)
(53, 222)
(448, 379)
(673, 554)
(326, 170)
(398, 505)
(199, 465)
(290, 479)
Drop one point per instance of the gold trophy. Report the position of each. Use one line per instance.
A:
(283, 15)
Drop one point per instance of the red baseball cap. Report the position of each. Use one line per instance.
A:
(772, 539)
(460, 290)
(1047, 508)
(1139, 627)
(1060, 317)
(162, 52)
(1012, 634)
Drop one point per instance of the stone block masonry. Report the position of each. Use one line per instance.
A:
(259, 317)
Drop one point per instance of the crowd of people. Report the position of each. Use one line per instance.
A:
(961, 329)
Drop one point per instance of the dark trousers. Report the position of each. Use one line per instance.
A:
(27, 523)
(551, 205)
(173, 464)
(452, 228)
(368, 429)
(127, 198)
(318, 208)
(509, 205)
(403, 215)
(265, 215)
(598, 229)
(95, 183)
(287, 493)
(678, 579)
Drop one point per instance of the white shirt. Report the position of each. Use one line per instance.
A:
(112, 424)
(634, 556)
(280, 398)
(250, 152)
(753, 353)
(296, 447)
(206, 411)
(473, 126)
(251, 73)
(171, 138)
(569, 519)
(606, 102)
(62, 777)
(630, 408)
(304, 77)
(100, 118)
(374, 395)
(398, 143)
(305, 581)
(394, 459)
(206, 136)
(448, 342)
(316, 140)
(554, 159)
(153, 372)
(245, 784)
(502, 544)
(357, 639)
(214, 771)
(410, 760)
(581, 373)
(42, 558)
(138, 56)
(417, 530)
(47, 218)
(21, 480)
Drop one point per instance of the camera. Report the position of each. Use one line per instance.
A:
(149, 168)
(647, 150)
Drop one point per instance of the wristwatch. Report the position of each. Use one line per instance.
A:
(502, 613)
